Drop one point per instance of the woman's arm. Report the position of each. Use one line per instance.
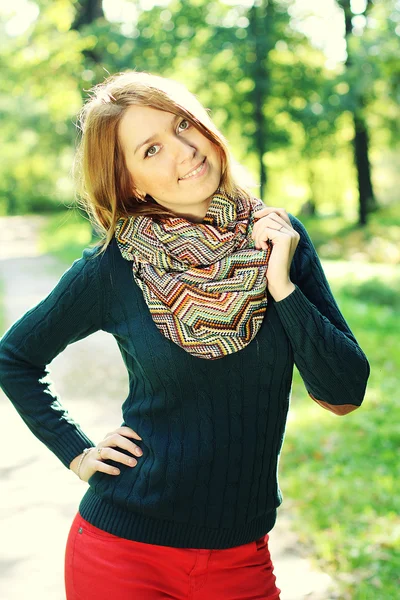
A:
(333, 366)
(73, 310)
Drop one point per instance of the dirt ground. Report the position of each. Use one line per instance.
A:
(39, 497)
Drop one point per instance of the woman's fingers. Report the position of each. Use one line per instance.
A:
(119, 438)
(92, 463)
(116, 440)
(107, 450)
(102, 467)
(273, 220)
(111, 454)
(271, 227)
(126, 431)
(270, 209)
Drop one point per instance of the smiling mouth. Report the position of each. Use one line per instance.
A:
(195, 171)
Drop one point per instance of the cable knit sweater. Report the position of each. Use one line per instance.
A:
(212, 430)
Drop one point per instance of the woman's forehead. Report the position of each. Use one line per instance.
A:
(138, 114)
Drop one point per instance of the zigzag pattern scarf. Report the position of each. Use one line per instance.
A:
(204, 283)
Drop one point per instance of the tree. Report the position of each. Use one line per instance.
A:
(261, 40)
(267, 87)
(87, 13)
(367, 200)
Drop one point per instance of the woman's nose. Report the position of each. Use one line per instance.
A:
(184, 150)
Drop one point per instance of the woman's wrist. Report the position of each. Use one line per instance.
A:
(281, 292)
(76, 464)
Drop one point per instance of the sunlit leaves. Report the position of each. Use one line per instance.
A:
(210, 45)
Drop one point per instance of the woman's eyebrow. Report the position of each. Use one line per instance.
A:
(151, 138)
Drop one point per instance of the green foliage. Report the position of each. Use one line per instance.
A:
(38, 101)
(65, 236)
(373, 74)
(379, 242)
(376, 291)
(228, 54)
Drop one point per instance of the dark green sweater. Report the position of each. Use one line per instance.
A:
(212, 429)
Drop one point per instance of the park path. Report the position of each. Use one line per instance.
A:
(39, 497)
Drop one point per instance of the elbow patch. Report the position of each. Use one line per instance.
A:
(338, 409)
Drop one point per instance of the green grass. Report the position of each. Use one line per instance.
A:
(338, 239)
(65, 235)
(340, 474)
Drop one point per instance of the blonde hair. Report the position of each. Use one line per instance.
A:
(105, 186)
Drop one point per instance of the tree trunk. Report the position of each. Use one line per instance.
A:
(366, 196)
(88, 11)
(311, 204)
(260, 139)
(258, 17)
(367, 201)
(11, 203)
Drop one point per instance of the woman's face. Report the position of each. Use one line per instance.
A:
(169, 159)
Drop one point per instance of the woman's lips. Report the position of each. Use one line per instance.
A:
(199, 173)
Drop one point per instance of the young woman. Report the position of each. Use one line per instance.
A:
(212, 298)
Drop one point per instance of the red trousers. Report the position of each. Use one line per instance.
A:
(100, 566)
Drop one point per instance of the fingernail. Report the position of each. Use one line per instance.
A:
(138, 452)
(116, 472)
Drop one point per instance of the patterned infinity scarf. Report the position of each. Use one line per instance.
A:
(204, 283)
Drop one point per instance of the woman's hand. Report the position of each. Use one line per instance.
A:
(106, 450)
(274, 224)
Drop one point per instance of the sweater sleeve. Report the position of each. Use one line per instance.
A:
(72, 311)
(330, 361)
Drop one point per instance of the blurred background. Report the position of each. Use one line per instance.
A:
(307, 93)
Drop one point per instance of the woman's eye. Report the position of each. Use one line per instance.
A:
(149, 151)
(187, 124)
